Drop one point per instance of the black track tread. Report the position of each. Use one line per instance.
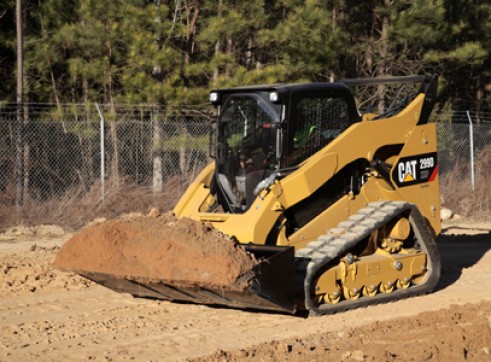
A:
(337, 242)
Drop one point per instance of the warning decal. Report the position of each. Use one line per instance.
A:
(416, 169)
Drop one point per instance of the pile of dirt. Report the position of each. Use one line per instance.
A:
(22, 232)
(183, 252)
(30, 271)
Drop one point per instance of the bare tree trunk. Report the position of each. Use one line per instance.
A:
(158, 172)
(115, 148)
(479, 98)
(334, 26)
(53, 83)
(249, 56)
(26, 146)
(192, 13)
(216, 71)
(230, 49)
(114, 121)
(19, 197)
(26, 171)
(218, 44)
(89, 160)
(382, 63)
(183, 159)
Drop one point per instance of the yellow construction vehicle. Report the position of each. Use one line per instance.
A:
(340, 208)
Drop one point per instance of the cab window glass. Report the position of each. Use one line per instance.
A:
(317, 121)
(246, 147)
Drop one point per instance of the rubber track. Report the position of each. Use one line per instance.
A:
(338, 241)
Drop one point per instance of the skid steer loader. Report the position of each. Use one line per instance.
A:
(340, 208)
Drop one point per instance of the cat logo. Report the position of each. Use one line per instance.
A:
(415, 169)
(406, 171)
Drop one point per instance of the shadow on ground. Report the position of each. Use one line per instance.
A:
(459, 252)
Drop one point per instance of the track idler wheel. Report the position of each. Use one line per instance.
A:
(351, 294)
(370, 290)
(334, 297)
(404, 283)
(387, 287)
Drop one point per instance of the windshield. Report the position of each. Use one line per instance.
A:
(246, 147)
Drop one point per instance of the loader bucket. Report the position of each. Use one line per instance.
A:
(270, 283)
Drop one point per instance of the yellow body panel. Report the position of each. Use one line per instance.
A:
(372, 271)
(360, 141)
(196, 194)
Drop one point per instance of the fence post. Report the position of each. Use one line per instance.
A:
(157, 171)
(101, 117)
(471, 143)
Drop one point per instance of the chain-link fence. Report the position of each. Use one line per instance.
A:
(462, 137)
(63, 151)
(76, 146)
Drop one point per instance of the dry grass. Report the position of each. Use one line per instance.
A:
(456, 188)
(76, 208)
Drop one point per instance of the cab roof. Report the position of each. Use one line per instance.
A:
(286, 87)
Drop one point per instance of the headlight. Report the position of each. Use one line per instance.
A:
(273, 97)
(213, 97)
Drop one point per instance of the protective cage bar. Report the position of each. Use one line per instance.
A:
(385, 80)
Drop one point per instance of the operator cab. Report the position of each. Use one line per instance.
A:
(264, 132)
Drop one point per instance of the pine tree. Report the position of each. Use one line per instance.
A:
(171, 52)
(305, 43)
(462, 56)
(7, 51)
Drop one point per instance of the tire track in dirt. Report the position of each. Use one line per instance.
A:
(459, 333)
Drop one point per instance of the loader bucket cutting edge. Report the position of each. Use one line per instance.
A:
(270, 287)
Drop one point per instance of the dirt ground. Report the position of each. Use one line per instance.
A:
(49, 315)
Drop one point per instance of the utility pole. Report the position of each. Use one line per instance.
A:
(19, 146)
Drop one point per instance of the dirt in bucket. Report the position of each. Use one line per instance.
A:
(182, 251)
